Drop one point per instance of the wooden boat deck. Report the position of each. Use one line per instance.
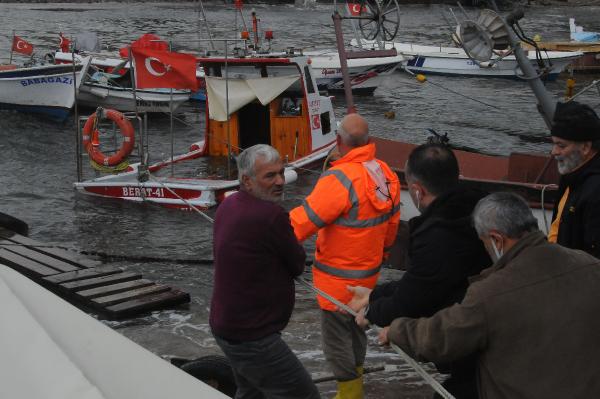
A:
(111, 293)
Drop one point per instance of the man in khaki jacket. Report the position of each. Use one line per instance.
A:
(532, 317)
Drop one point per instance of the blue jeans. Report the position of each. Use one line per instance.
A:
(267, 368)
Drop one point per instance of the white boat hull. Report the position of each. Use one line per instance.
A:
(121, 99)
(50, 349)
(48, 89)
(454, 61)
(366, 74)
(173, 192)
(408, 210)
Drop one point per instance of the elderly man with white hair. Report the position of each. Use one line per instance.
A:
(531, 318)
(257, 257)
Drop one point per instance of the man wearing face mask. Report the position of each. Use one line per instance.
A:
(257, 257)
(531, 319)
(443, 252)
(576, 141)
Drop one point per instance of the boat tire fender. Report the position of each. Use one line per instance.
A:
(213, 370)
(90, 135)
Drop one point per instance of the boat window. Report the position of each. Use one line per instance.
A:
(290, 106)
(308, 79)
(213, 70)
(325, 123)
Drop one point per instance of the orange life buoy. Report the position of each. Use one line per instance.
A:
(90, 138)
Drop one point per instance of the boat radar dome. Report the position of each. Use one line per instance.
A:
(575, 121)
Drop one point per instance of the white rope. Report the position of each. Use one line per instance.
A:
(542, 204)
(193, 207)
(410, 361)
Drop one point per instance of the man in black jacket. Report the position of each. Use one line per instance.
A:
(576, 141)
(443, 252)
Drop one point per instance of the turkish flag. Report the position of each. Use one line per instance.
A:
(164, 69)
(64, 43)
(21, 46)
(354, 9)
(147, 40)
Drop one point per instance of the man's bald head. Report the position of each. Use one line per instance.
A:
(354, 131)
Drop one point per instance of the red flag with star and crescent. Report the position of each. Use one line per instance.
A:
(64, 43)
(354, 9)
(21, 46)
(164, 69)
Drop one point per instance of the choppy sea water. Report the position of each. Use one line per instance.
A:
(38, 155)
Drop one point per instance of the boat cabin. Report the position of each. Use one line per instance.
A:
(265, 100)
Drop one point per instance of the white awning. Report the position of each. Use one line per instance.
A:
(242, 92)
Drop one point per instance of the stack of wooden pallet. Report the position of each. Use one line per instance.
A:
(111, 293)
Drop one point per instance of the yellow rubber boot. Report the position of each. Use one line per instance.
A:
(352, 389)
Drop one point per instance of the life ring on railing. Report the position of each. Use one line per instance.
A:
(90, 138)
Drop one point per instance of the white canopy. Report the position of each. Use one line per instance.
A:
(242, 92)
(52, 350)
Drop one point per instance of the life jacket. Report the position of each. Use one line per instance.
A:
(355, 207)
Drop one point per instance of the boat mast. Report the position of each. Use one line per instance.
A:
(339, 39)
(546, 101)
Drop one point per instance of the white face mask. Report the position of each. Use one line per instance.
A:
(497, 253)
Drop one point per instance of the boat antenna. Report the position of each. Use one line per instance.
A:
(171, 120)
(76, 115)
(204, 22)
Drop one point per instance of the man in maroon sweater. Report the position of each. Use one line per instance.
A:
(257, 257)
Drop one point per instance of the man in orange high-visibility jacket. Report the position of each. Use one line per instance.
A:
(355, 208)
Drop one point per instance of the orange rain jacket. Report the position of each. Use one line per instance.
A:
(355, 218)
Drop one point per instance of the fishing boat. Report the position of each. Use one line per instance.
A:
(250, 100)
(366, 74)
(104, 87)
(44, 89)
(534, 176)
(585, 42)
(454, 61)
(115, 91)
(50, 349)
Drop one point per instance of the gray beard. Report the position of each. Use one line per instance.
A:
(569, 163)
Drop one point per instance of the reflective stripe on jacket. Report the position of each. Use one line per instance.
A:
(355, 220)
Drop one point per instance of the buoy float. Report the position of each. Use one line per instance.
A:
(421, 78)
(570, 88)
(91, 132)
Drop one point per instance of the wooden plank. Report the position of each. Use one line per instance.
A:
(24, 265)
(130, 295)
(49, 250)
(81, 285)
(114, 288)
(41, 258)
(147, 303)
(80, 275)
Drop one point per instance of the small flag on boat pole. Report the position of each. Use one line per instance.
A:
(164, 69)
(355, 9)
(64, 43)
(21, 46)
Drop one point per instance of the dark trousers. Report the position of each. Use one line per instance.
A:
(267, 368)
(462, 383)
(344, 344)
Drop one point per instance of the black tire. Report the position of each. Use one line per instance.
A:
(213, 370)
(49, 58)
(14, 224)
